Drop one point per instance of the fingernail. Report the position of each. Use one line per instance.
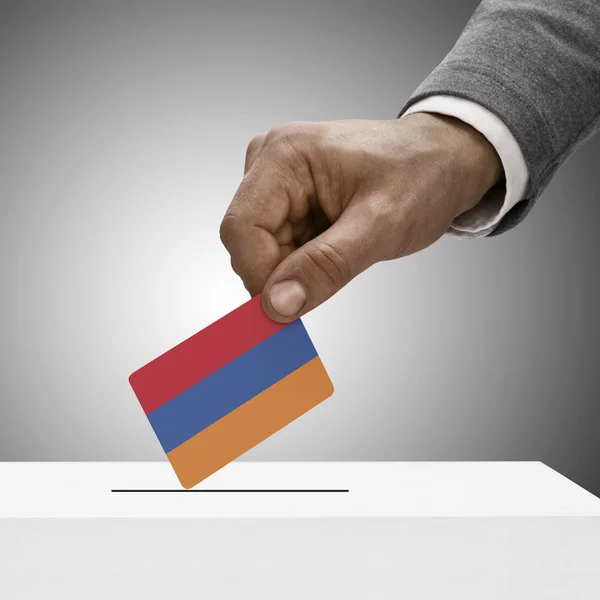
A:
(287, 298)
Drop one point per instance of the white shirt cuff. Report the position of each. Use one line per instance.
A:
(483, 218)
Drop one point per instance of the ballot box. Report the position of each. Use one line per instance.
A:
(298, 530)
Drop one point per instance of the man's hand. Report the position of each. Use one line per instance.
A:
(322, 202)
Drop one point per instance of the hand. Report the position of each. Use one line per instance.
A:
(322, 202)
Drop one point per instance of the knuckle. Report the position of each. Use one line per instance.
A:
(330, 262)
(283, 132)
(276, 134)
(285, 146)
(254, 146)
(228, 229)
(287, 137)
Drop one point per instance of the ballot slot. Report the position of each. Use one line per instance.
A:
(290, 491)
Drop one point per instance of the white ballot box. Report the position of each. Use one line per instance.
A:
(297, 530)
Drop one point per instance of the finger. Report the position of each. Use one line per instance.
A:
(254, 251)
(255, 230)
(321, 267)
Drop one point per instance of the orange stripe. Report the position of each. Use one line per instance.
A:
(251, 423)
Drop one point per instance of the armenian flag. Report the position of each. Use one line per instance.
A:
(228, 387)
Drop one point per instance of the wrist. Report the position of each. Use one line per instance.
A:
(471, 160)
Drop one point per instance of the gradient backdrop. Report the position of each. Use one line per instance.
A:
(123, 128)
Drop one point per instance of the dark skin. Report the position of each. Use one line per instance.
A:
(322, 202)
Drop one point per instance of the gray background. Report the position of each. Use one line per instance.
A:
(123, 128)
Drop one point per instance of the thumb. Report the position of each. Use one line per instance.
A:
(321, 267)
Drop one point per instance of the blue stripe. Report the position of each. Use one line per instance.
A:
(233, 384)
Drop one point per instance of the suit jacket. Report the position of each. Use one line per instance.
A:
(536, 65)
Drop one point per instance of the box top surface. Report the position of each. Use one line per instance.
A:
(292, 489)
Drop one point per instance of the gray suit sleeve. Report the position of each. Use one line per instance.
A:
(536, 65)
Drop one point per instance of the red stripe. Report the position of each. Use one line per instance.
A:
(200, 355)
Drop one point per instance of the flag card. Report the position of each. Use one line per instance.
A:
(224, 390)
